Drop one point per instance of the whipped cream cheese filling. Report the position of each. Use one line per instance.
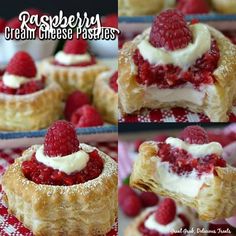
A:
(15, 81)
(68, 164)
(196, 150)
(184, 57)
(70, 59)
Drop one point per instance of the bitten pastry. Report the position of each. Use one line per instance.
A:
(188, 169)
(225, 6)
(63, 187)
(27, 100)
(165, 219)
(73, 68)
(175, 64)
(105, 97)
(138, 7)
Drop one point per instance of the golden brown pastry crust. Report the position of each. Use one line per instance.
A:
(82, 209)
(215, 200)
(139, 7)
(218, 100)
(32, 111)
(225, 6)
(72, 78)
(105, 99)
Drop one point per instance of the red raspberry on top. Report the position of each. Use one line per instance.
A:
(132, 205)
(113, 81)
(76, 100)
(61, 139)
(22, 64)
(86, 116)
(193, 6)
(194, 135)
(166, 211)
(14, 23)
(149, 199)
(170, 30)
(2, 25)
(76, 46)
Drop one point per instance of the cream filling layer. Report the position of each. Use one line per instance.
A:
(68, 164)
(184, 57)
(70, 59)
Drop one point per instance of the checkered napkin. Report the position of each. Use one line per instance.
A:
(9, 225)
(170, 115)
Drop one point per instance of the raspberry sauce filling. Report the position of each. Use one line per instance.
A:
(42, 174)
(170, 76)
(81, 64)
(148, 232)
(181, 162)
(113, 82)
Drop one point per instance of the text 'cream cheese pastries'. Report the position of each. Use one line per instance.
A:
(74, 68)
(178, 64)
(27, 100)
(189, 169)
(62, 187)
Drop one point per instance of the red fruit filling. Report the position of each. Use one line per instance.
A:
(113, 81)
(181, 162)
(81, 64)
(169, 76)
(42, 174)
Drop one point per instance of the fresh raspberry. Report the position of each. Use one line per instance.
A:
(76, 100)
(61, 139)
(123, 192)
(5, 89)
(132, 205)
(160, 138)
(170, 30)
(86, 116)
(30, 87)
(166, 211)
(2, 25)
(149, 199)
(110, 21)
(14, 23)
(194, 134)
(137, 144)
(193, 6)
(22, 64)
(76, 46)
(113, 81)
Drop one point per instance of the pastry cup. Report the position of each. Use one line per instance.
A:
(105, 99)
(82, 209)
(224, 6)
(32, 111)
(217, 101)
(138, 8)
(73, 78)
(215, 199)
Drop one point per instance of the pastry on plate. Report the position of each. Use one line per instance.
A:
(27, 100)
(188, 169)
(105, 97)
(176, 64)
(164, 219)
(62, 187)
(225, 6)
(138, 7)
(74, 68)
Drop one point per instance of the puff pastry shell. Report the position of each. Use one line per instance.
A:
(83, 209)
(215, 200)
(225, 6)
(32, 111)
(105, 99)
(218, 100)
(73, 78)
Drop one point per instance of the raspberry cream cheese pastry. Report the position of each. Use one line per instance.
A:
(190, 170)
(225, 6)
(138, 7)
(166, 219)
(105, 97)
(74, 68)
(174, 64)
(27, 101)
(63, 187)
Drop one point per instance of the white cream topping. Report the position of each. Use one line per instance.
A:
(184, 57)
(15, 81)
(196, 150)
(68, 164)
(70, 59)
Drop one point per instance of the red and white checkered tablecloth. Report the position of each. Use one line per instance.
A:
(9, 225)
(170, 115)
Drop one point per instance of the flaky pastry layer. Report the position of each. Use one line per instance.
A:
(82, 209)
(217, 101)
(215, 200)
